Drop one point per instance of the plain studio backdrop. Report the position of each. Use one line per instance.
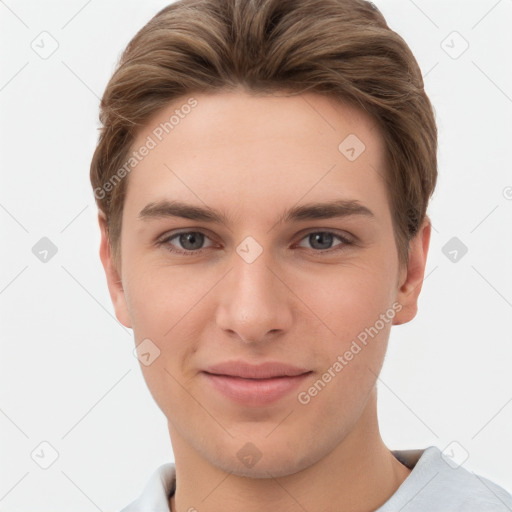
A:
(80, 430)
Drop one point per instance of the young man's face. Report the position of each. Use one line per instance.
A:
(316, 294)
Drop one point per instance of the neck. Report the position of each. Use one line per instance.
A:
(358, 475)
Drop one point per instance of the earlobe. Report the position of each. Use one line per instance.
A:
(411, 279)
(114, 282)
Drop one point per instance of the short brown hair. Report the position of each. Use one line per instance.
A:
(340, 48)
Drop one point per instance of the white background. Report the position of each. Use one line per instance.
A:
(68, 375)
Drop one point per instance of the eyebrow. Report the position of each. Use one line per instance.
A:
(311, 211)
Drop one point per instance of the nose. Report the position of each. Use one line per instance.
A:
(255, 303)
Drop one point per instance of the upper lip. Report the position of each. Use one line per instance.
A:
(245, 370)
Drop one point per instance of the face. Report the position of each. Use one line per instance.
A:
(269, 316)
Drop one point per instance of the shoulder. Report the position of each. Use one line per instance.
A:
(436, 482)
(155, 495)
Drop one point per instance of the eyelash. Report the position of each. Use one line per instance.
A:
(340, 247)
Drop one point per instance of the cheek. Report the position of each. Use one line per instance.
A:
(357, 309)
(159, 299)
(161, 308)
(165, 307)
(359, 320)
(349, 299)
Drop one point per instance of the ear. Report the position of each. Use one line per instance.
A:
(115, 286)
(412, 274)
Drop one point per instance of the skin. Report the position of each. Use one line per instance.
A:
(253, 157)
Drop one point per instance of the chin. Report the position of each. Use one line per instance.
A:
(269, 462)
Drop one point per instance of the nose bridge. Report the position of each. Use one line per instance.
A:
(253, 301)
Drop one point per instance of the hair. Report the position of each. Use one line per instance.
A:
(343, 49)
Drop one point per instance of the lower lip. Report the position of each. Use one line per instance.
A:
(255, 392)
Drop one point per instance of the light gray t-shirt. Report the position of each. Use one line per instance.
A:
(434, 485)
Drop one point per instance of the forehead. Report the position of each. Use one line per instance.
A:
(256, 151)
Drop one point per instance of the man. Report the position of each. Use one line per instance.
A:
(262, 177)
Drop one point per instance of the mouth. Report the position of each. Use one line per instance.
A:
(255, 385)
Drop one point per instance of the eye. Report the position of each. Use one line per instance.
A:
(322, 241)
(190, 242)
